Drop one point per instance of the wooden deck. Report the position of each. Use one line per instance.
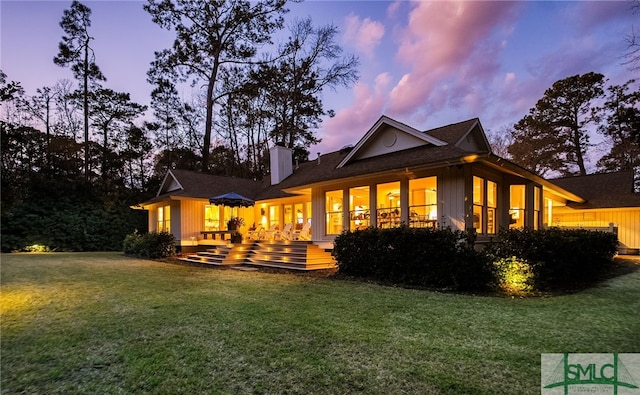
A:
(293, 255)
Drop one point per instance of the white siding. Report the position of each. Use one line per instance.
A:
(451, 189)
(626, 219)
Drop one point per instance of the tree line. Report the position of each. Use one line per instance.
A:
(80, 142)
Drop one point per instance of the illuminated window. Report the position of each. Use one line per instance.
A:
(288, 214)
(274, 216)
(536, 207)
(211, 217)
(333, 209)
(164, 219)
(485, 206)
(388, 198)
(517, 206)
(478, 203)
(492, 204)
(359, 215)
(423, 202)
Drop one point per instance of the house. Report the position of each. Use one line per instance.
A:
(395, 174)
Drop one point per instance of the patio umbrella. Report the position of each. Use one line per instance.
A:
(231, 199)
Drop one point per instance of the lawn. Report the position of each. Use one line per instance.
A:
(101, 323)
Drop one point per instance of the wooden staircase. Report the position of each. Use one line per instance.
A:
(294, 255)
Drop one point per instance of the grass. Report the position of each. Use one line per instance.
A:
(87, 323)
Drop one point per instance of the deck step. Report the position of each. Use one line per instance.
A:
(293, 255)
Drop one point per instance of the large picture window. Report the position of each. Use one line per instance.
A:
(359, 215)
(333, 209)
(423, 202)
(388, 199)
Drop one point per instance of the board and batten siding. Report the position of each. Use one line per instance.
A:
(626, 219)
(192, 220)
(451, 192)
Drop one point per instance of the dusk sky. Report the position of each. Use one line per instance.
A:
(423, 63)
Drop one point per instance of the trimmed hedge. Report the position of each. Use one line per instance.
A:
(516, 261)
(559, 259)
(151, 245)
(439, 258)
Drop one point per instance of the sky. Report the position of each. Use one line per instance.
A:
(423, 63)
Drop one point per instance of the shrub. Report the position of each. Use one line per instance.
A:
(439, 258)
(559, 259)
(152, 245)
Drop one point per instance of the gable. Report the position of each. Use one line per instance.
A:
(388, 136)
(467, 135)
(475, 140)
(388, 139)
(169, 184)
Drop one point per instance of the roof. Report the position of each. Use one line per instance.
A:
(602, 190)
(186, 183)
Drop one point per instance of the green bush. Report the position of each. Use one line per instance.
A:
(439, 258)
(152, 245)
(559, 259)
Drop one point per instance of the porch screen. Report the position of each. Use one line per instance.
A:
(359, 215)
(333, 209)
(423, 202)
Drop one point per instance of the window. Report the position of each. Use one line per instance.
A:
(478, 203)
(274, 216)
(164, 219)
(288, 214)
(211, 217)
(536, 207)
(423, 202)
(388, 198)
(485, 206)
(359, 215)
(517, 206)
(333, 209)
(492, 204)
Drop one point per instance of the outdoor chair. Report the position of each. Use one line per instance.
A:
(255, 234)
(304, 234)
(269, 234)
(286, 233)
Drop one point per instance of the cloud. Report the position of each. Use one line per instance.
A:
(350, 123)
(363, 34)
(443, 40)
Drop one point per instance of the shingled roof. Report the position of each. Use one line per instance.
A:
(203, 186)
(603, 190)
(326, 169)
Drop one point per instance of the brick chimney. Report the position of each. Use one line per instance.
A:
(281, 162)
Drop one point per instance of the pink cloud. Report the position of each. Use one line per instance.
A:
(350, 123)
(441, 41)
(363, 34)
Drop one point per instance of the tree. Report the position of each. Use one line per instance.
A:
(633, 43)
(622, 127)
(111, 113)
(74, 50)
(9, 90)
(557, 127)
(211, 35)
(310, 62)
